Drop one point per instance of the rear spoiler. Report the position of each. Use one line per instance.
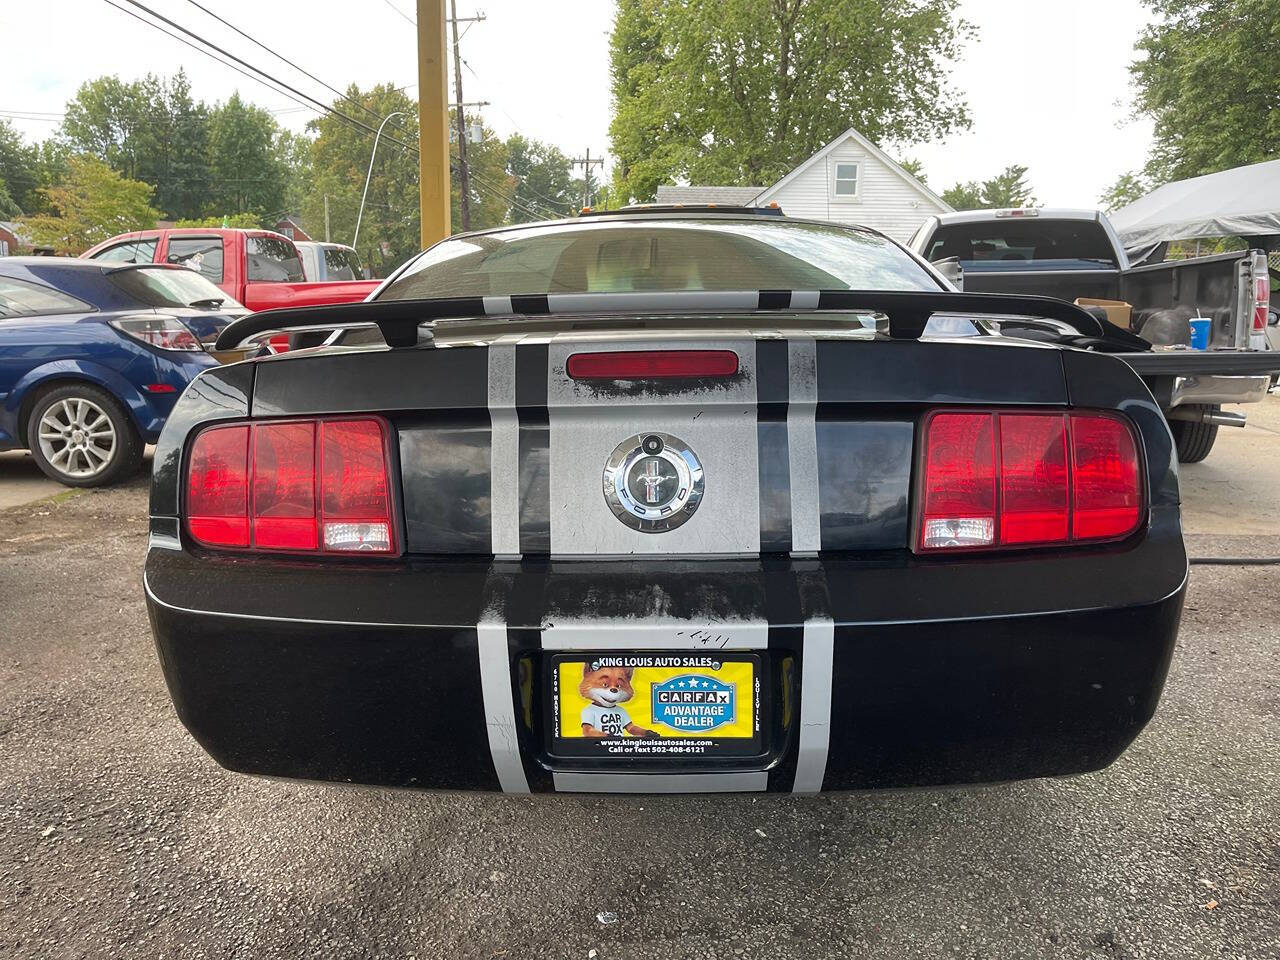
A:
(908, 312)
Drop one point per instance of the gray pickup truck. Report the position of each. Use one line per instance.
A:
(1074, 254)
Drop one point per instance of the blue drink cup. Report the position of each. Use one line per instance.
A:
(1200, 333)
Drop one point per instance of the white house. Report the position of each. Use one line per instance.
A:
(850, 180)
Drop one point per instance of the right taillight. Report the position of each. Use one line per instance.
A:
(303, 486)
(1020, 479)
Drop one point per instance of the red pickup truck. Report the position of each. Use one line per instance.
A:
(259, 268)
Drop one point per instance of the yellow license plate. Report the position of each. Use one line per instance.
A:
(656, 704)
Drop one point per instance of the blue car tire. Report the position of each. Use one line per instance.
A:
(81, 436)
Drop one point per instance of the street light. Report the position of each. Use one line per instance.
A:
(367, 176)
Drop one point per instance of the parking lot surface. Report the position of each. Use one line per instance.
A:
(119, 837)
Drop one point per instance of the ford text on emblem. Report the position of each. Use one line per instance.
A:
(653, 482)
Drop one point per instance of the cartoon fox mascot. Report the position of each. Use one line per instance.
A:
(608, 688)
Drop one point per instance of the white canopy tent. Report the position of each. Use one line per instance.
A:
(1244, 201)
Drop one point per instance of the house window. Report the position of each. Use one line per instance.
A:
(846, 180)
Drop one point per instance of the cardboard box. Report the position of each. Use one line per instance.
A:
(1118, 312)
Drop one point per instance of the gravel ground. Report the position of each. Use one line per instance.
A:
(120, 838)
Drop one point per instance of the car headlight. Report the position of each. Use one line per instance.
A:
(167, 333)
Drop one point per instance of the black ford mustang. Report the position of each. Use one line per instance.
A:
(668, 502)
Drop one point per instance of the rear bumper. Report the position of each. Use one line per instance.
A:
(884, 671)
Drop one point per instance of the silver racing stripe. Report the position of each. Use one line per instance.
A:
(504, 449)
(802, 445)
(815, 705)
(499, 306)
(499, 706)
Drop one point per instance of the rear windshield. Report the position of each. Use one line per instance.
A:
(1009, 244)
(273, 260)
(665, 255)
(341, 264)
(158, 287)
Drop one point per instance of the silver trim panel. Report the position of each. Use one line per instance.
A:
(815, 705)
(499, 706)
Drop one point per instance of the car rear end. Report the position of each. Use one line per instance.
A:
(909, 563)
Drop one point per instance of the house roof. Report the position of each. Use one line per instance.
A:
(734, 196)
(770, 193)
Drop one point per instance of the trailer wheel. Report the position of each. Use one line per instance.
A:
(1194, 438)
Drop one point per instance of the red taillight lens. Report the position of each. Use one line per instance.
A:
(1261, 302)
(1027, 479)
(1108, 488)
(284, 486)
(1033, 478)
(356, 505)
(218, 487)
(652, 364)
(959, 508)
(297, 485)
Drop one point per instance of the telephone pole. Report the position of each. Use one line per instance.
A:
(464, 180)
(433, 122)
(586, 162)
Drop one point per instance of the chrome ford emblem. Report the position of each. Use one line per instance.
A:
(653, 482)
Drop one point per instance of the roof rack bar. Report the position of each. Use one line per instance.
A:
(908, 312)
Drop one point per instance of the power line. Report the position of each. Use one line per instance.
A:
(407, 18)
(282, 58)
(167, 33)
(276, 80)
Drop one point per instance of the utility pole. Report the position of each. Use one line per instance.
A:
(433, 122)
(464, 180)
(586, 162)
(326, 218)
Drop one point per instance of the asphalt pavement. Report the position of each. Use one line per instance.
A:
(119, 837)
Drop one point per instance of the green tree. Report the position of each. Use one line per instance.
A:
(964, 196)
(92, 204)
(915, 168)
(107, 119)
(247, 175)
(492, 188)
(8, 206)
(543, 179)
(19, 169)
(1206, 75)
(150, 129)
(740, 91)
(1127, 188)
(335, 163)
(247, 221)
(1008, 188)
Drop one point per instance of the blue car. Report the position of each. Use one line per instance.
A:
(94, 355)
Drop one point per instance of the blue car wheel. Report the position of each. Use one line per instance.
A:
(81, 436)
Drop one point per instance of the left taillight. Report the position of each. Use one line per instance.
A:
(165, 333)
(303, 486)
(992, 480)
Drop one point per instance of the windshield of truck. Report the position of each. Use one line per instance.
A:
(273, 260)
(342, 263)
(604, 256)
(162, 287)
(1029, 243)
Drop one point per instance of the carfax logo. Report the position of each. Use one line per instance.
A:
(694, 704)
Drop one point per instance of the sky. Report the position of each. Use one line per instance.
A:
(1046, 81)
